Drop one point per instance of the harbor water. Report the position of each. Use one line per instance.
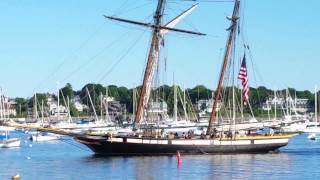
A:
(67, 159)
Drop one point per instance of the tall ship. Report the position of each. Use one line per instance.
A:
(213, 140)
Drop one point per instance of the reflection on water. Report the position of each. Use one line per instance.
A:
(59, 160)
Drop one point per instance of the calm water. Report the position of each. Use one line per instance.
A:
(69, 160)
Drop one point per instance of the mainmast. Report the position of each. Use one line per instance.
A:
(230, 42)
(158, 32)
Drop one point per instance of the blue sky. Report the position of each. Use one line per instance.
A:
(45, 43)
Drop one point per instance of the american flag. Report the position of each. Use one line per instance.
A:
(244, 80)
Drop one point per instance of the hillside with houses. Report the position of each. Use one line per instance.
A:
(90, 101)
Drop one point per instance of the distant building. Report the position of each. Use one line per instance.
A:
(9, 108)
(301, 105)
(271, 101)
(115, 108)
(294, 104)
(205, 105)
(78, 104)
(53, 108)
(157, 111)
(158, 107)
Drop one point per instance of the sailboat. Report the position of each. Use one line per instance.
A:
(314, 127)
(174, 125)
(293, 122)
(40, 136)
(85, 125)
(43, 136)
(149, 142)
(5, 140)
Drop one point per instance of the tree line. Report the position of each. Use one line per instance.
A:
(125, 96)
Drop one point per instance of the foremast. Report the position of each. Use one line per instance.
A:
(230, 43)
(153, 58)
(158, 32)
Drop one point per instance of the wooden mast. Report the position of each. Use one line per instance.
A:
(152, 61)
(230, 42)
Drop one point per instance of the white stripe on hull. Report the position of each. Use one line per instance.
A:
(270, 141)
(199, 141)
(191, 142)
(239, 142)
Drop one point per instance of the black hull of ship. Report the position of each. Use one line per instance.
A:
(107, 148)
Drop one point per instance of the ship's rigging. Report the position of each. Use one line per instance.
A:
(158, 32)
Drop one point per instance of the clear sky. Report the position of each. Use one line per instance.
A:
(46, 43)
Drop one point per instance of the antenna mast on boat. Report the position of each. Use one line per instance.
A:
(230, 42)
(158, 32)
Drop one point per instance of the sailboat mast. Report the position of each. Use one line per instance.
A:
(94, 110)
(106, 105)
(242, 116)
(152, 62)
(133, 102)
(58, 94)
(42, 117)
(295, 102)
(185, 105)
(175, 109)
(287, 102)
(101, 106)
(275, 105)
(315, 104)
(69, 113)
(268, 107)
(35, 106)
(232, 33)
(1, 107)
(233, 109)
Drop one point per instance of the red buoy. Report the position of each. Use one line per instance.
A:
(179, 160)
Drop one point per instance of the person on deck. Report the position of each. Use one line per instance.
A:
(176, 135)
(203, 135)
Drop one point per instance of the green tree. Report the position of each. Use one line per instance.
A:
(66, 92)
(21, 107)
(199, 92)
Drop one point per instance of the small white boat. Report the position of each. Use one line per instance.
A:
(6, 128)
(312, 127)
(312, 136)
(42, 137)
(8, 143)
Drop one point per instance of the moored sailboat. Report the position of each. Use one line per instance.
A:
(7, 142)
(43, 137)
